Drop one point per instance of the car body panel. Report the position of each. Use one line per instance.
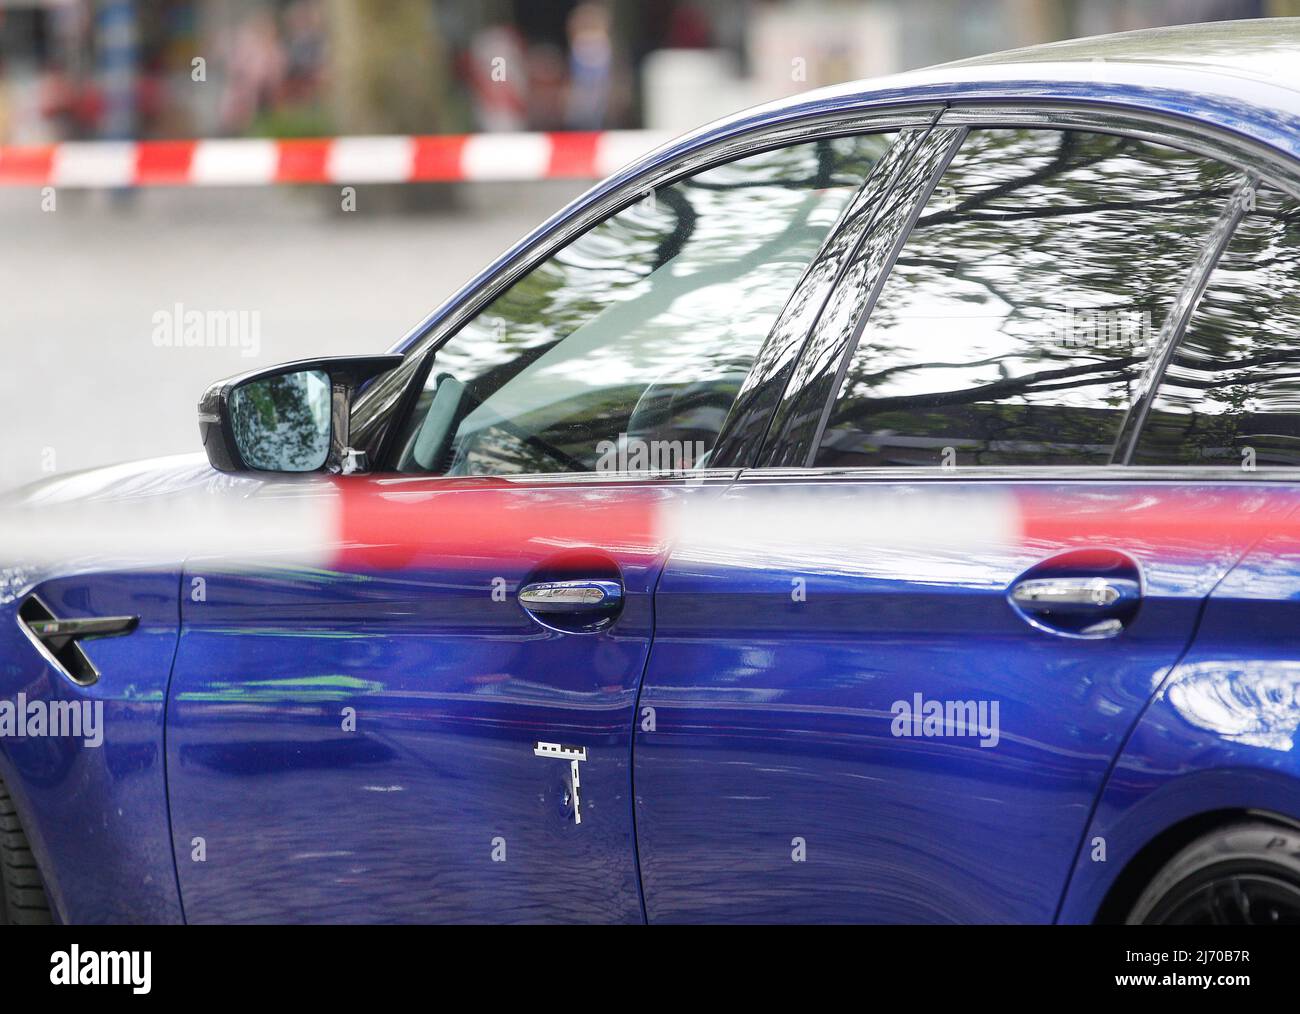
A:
(96, 812)
(1220, 734)
(97, 816)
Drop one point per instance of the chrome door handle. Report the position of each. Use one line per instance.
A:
(580, 606)
(1088, 606)
(1075, 594)
(570, 596)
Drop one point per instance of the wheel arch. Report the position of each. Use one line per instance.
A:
(1143, 819)
(1142, 868)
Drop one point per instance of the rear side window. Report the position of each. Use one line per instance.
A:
(1231, 393)
(1026, 302)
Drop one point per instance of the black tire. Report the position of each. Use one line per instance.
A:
(22, 891)
(1245, 874)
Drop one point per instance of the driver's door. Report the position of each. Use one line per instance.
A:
(416, 731)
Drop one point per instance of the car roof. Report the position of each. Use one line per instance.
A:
(1240, 76)
(1264, 49)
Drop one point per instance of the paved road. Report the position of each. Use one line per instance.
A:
(83, 382)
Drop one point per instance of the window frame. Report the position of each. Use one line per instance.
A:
(1256, 162)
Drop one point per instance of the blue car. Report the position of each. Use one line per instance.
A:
(878, 506)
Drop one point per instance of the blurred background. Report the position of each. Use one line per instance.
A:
(82, 278)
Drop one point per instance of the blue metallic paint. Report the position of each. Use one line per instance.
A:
(1220, 734)
(97, 815)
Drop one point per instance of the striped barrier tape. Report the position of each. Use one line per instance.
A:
(517, 157)
(386, 524)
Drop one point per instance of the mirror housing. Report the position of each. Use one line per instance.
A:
(249, 397)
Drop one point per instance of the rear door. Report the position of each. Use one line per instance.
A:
(435, 725)
(893, 664)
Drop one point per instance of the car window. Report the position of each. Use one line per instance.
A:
(625, 349)
(1231, 392)
(1025, 303)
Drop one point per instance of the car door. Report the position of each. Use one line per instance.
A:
(893, 665)
(435, 723)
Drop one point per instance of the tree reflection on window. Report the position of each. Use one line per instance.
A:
(1025, 303)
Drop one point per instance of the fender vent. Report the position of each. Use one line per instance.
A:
(57, 639)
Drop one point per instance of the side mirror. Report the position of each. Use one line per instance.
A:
(289, 418)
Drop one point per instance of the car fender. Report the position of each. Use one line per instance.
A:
(1217, 740)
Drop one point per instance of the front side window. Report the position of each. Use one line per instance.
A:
(1231, 393)
(1025, 303)
(626, 348)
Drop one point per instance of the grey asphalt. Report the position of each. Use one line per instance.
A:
(85, 379)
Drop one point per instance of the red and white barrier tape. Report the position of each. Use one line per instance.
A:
(340, 160)
(382, 525)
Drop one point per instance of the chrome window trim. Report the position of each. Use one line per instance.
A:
(393, 481)
(1033, 473)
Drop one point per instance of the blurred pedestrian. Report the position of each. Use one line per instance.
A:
(547, 93)
(305, 51)
(256, 66)
(591, 67)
